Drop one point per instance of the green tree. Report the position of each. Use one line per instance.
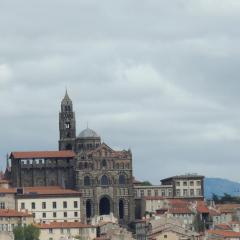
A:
(215, 198)
(198, 224)
(29, 232)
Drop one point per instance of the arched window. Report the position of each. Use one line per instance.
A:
(104, 180)
(87, 181)
(85, 165)
(122, 179)
(104, 163)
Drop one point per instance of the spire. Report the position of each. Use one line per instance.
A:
(66, 97)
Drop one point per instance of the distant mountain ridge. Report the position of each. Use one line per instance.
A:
(219, 186)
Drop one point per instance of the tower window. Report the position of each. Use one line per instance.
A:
(67, 125)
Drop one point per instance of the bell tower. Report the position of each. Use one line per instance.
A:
(67, 125)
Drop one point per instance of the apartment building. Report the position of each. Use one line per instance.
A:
(49, 204)
(67, 230)
(190, 186)
(10, 218)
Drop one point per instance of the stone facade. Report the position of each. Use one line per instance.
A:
(103, 176)
(43, 168)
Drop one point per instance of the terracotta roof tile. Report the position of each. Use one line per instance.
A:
(7, 190)
(50, 190)
(64, 225)
(223, 226)
(224, 233)
(42, 154)
(184, 210)
(13, 213)
(201, 207)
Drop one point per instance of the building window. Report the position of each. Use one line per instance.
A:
(185, 192)
(87, 181)
(75, 204)
(198, 183)
(75, 214)
(142, 193)
(165, 236)
(33, 205)
(22, 205)
(54, 214)
(43, 205)
(65, 214)
(191, 183)
(34, 215)
(2, 205)
(192, 192)
(163, 193)
(122, 180)
(184, 183)
(54, 204)
(149, 193)
(177, 183)
(64, 204)
(199, 192)
(104, 180)
(50, 230)
(156, 193)
(44, 215)
(178, 193)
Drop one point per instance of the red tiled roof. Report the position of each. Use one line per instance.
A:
(176, 203)
(43, 154)
(50, 190)
(180, 210)
(201, 207)
(64, 225)
(227, 208)
(13, 213)
(224, 233)
(214, 212)
(7, 190)
(223, 226)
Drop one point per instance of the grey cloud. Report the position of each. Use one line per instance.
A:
(160, 77)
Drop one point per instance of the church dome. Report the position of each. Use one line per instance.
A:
(88, 133)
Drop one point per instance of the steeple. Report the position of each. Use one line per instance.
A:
(67, 125)
(66, 98)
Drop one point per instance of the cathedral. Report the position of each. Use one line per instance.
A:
(102, 175)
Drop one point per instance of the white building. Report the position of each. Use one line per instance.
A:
(50, 204)
(67, 230)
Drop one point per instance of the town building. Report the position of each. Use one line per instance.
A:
(7, 198)
(188, 186)
(163, 228)
(50, 204)
(10, 218)
(66, 230)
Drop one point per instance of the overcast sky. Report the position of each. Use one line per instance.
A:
(160, 77)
